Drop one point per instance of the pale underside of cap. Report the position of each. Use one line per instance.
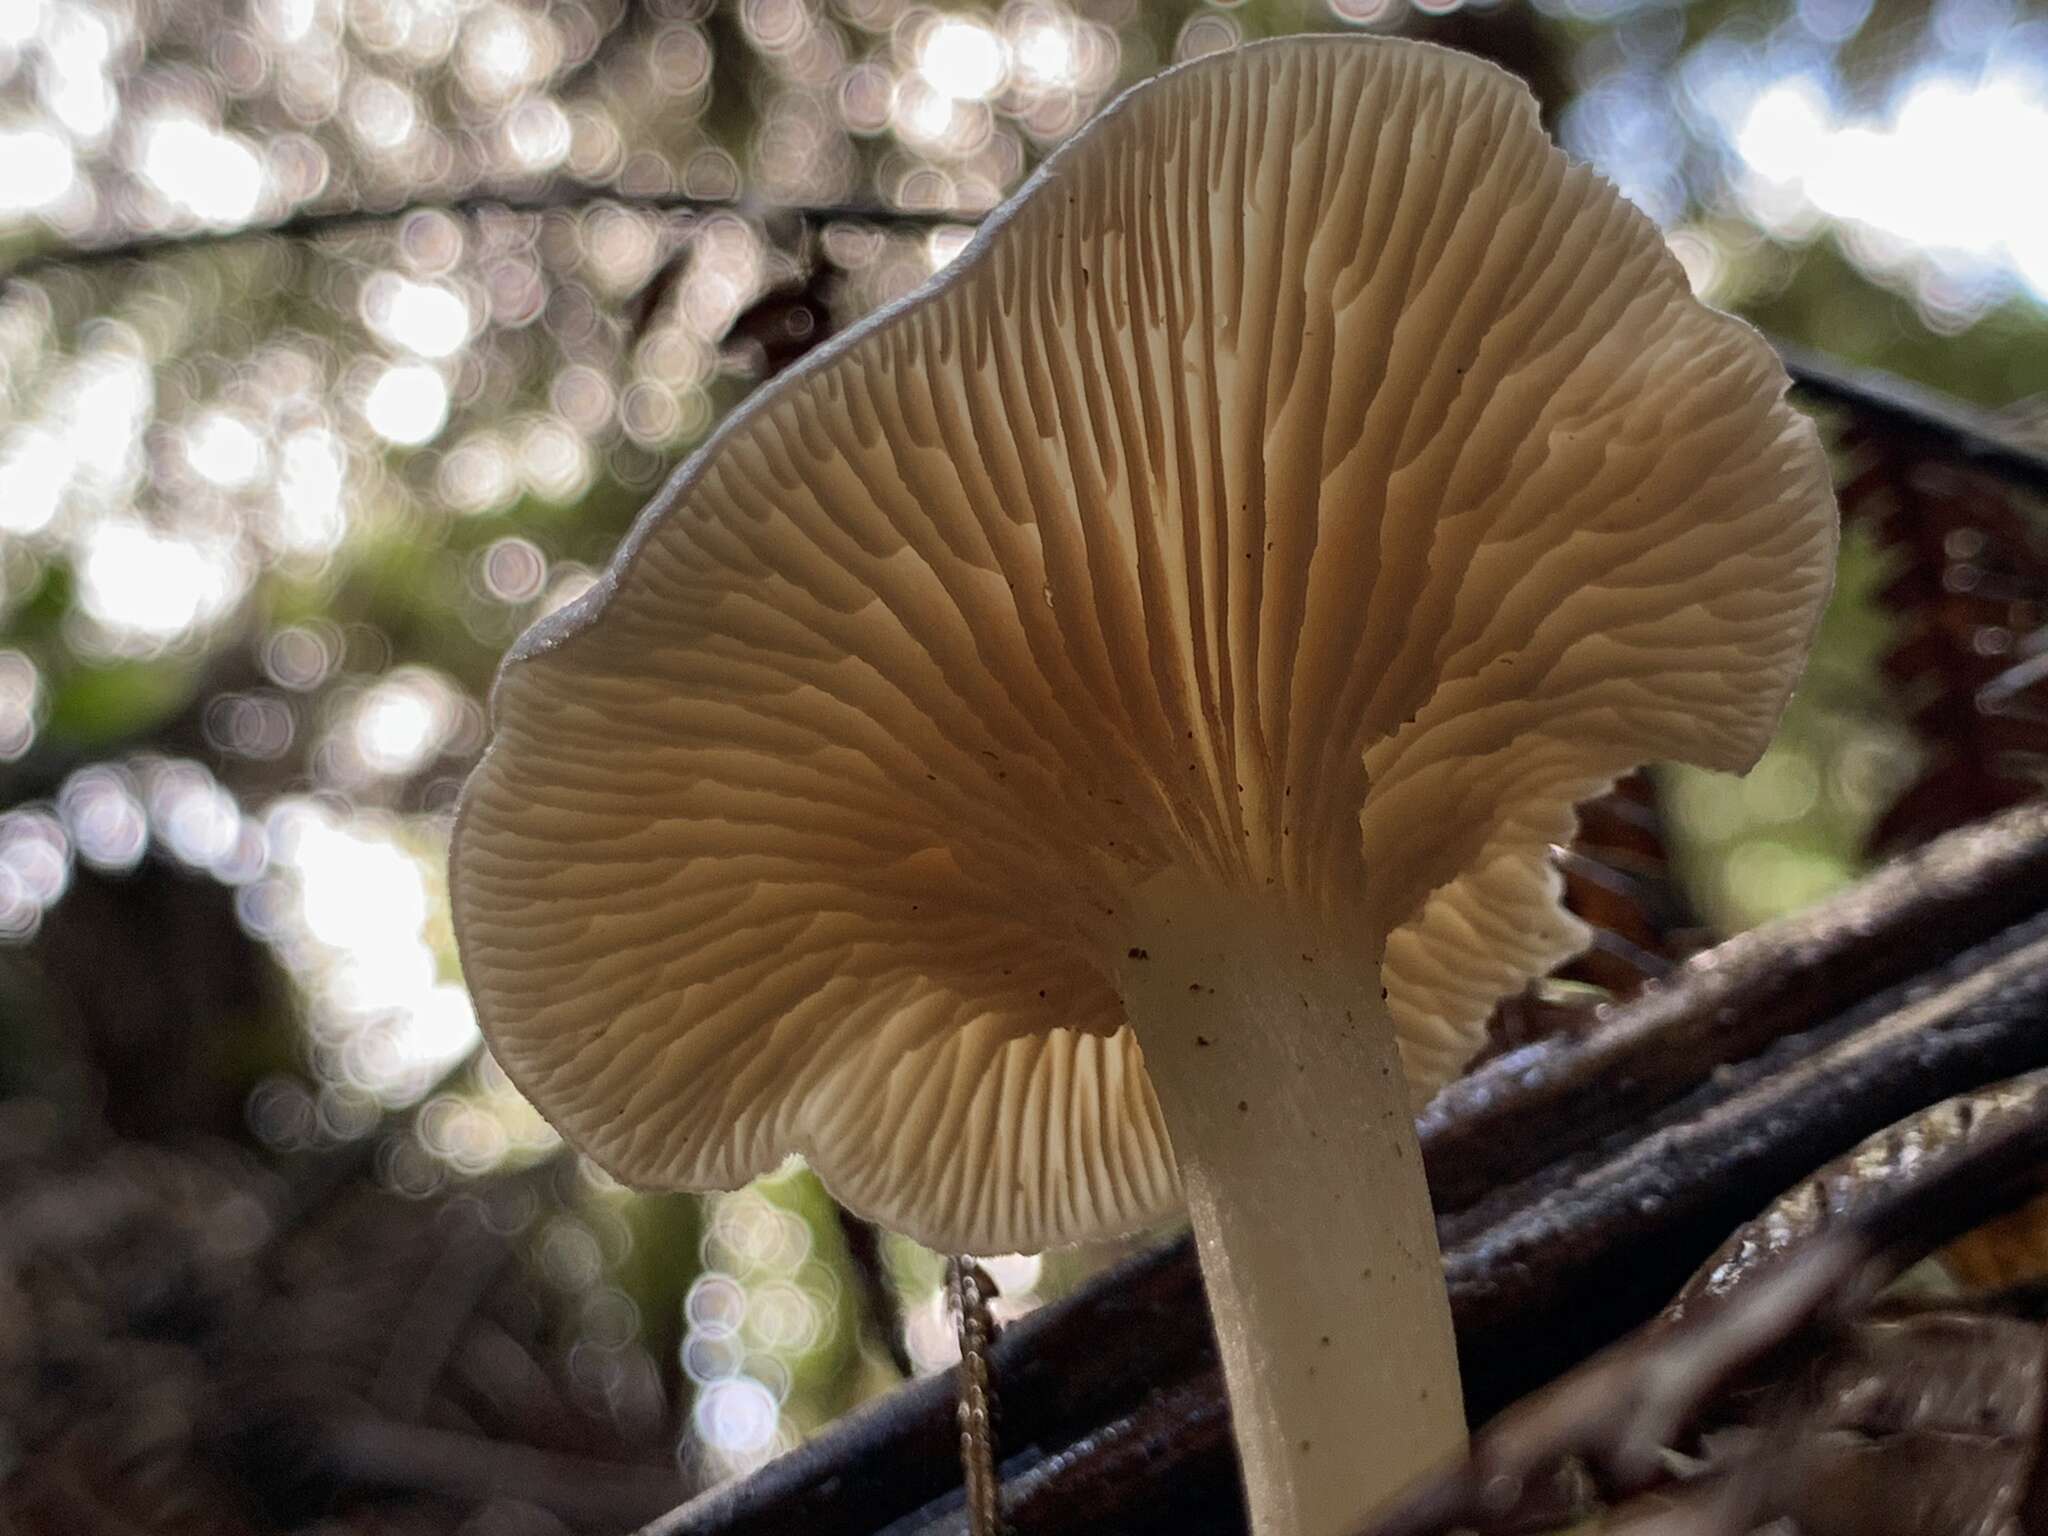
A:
(1313, 481)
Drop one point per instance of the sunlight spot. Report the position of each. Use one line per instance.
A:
(200, 821)
(537, 133)
(358, 892)
(110, 395)
(402, 722)
(35, 867)
(1046, 54)
(224, 449)
(1938, 176)
(425, 318)
(382, 114)
(104, 817)
(502, 53)
(216, 177)
(20, 20)
(407, 405)
(439, 1030)
(943, 244)
(36, 468)
(1785, 131)
(513, 570)
(36, 169)
(384, 1018)
(313, 475)
(154, 586)
(737, 1417)
(924, 116)
(962, 59)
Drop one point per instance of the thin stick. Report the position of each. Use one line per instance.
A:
(523, 198)
(970, 1290)
(877, 1291)
(1887, 402)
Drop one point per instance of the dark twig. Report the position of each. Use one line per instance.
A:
(879, 1302)
(516, 199)
(1886, 402)
(1893, 1198)
(1756, 1132)
(1861, 1185)
(1624, 1408)
(625, 36)
(417, 1458)
(470, 1261)
(1531, 1106)
(1108, 1479)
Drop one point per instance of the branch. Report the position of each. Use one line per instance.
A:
(1530, 1107)
(516, 199)
(1890, 1201)
(417, 1458)
(1109, 1478)
(627, 31)
(423, 1340)
(879, 1303)
(1536, 1278)
(1962, 431)
(1550, 1249)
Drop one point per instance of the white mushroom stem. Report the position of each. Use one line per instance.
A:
(1275, 1065)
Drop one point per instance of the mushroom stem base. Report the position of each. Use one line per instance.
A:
(1275, 1065)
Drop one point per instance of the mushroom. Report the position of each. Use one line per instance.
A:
(1089, 741)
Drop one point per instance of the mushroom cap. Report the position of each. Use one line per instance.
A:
(1311, 482)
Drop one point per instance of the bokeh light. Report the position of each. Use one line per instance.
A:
(407, 404)
(35, 867)
(962, 59)
(20, 697)
(216, 177)
(37, 168)
(426, 319)
(149, 587)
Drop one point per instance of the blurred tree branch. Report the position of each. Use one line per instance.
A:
(1980, 437)
(418, 1458)
(1883, 402)
(552, 196)
(627, 31)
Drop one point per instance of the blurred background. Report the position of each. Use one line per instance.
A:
(341, 339)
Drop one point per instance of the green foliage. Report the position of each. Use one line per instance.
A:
(1795, 828)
